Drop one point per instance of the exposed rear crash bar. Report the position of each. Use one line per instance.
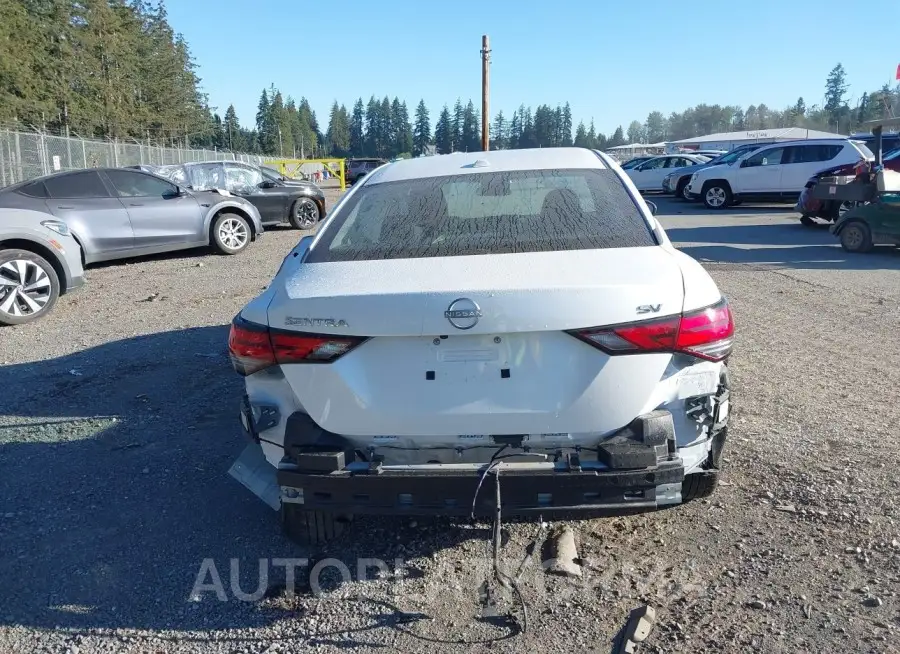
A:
(526, 490)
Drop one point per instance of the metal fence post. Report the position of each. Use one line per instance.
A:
(83, 154)
(116, 152)
(3, 141)
(19, 158)
(44, 155)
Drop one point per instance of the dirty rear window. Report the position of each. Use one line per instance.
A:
(485, 213)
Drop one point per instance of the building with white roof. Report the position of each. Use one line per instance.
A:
(730, 140)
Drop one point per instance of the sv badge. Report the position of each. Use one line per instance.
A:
(649, 308)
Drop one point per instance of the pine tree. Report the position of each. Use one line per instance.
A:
(618, 137)
(232, 130)
(306, 129)
(581, 140)
(456, 126)
(338, 135)
(526, 139)
(566, 126)
(835, 92)
(655, 127)
(386, 129)
(514, 135)
(282, 116)
(498, 132)
(357, 130)
(635, 132)
(422, 131)
(864, 114)
(404, 132)
(373, 127)
(443, 132)
(265, 125)
(592, 136)
(471, 135)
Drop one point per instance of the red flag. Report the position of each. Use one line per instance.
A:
(898, 71)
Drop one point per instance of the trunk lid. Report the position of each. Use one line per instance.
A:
(421, 382)
(542, 291)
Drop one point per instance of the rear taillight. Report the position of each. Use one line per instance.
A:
(249, 347)
(253, 347)
(706, 334)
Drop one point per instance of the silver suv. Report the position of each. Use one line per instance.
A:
(39, 261)
(358, 168)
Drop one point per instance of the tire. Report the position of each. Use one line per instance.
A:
(681, 190)
(306, 527)
(305, 213)
(699, 485)
(231, 233)
(856, 237)
(807, 221)
(29, 287)
(716, 195)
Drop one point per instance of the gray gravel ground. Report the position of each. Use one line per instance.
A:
(118, 423)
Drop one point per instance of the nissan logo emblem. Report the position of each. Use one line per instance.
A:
(463, 313)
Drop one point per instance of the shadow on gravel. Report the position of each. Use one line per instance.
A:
(787, 246)
(114, 490)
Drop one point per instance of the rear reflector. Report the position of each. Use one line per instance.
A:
(253, 347)
(706, 334)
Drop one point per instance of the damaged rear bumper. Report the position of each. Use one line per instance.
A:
(637, 469)
(445, 489)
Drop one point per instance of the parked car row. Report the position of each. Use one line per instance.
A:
(774, 172)
(648, 175)
(52, 226)
(278, 199)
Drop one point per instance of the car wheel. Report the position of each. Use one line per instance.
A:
(716, 195)
(306, 527)
(856, 237)
(29, 287)
(304, 214)
(807, 221)
(699, 485)
(681, 191)
(231, 233)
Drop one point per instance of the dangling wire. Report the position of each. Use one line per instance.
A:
(502, 578)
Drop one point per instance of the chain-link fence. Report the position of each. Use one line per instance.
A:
(25, 155)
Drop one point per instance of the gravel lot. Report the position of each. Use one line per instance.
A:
(118, 423)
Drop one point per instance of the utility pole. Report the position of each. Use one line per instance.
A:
(485, 93)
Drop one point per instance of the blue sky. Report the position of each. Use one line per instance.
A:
(612, 60)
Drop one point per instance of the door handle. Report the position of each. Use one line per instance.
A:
(135, 204)
(64, 206)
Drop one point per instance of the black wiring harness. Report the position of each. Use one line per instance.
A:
(507, 582)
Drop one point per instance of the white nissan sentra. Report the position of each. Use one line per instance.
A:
(514, 312)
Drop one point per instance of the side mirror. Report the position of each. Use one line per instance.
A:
(744, 163)
(652, 206)
(303, 246)
(267, 183)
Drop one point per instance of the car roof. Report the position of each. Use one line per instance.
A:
(63, 173)
(807, 142)
(462, 163)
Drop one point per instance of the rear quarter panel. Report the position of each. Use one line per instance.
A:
(699, 288)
